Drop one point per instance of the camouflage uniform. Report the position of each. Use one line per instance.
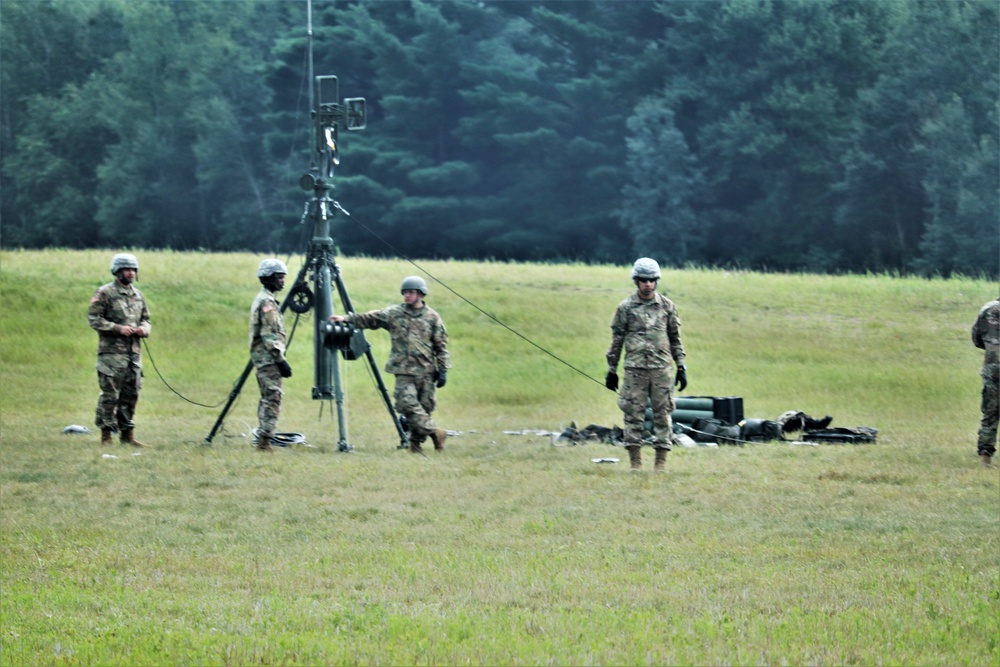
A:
(986, 336)
(267, 349)
(419, 348)
(650, 331)
(119, 357)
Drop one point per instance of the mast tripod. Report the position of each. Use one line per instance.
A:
(328, 338)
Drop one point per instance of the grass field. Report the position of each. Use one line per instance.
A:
(504, 549)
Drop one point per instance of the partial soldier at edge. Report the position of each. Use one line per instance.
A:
(418, 359)
(986, 336)
(647, 325)
(267, 349)
(119, 315)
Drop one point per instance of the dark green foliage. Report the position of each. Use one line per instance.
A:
(812, 135)
(917, 127)
(49, 131)
(664, 188)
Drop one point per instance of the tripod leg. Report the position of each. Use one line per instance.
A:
(403, 440)
(345, 299)
(338, 393)
(232, 398)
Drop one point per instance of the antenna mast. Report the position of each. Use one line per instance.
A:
(309, 49)
(329, 114)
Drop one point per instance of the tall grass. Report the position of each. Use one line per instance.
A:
(503, 549)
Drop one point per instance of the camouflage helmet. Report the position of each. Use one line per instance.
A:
(271, 266)
(645, 267)
(414, 282)
(123, 260)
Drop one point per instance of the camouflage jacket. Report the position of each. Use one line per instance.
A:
(419, 339)
(986, 332)
(112, 307)
(650, 332)
(267, 330)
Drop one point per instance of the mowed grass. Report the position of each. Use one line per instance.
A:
(503, 549)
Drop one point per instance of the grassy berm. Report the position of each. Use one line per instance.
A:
(504, 548)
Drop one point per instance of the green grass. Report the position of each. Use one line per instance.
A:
(504, 549)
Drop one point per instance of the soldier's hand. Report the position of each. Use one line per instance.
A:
(440, 378)
(682, 379)
(284, 369)
(611, 381)
(338, 318)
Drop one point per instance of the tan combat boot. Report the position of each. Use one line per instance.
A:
(661, 460)
(128, 438)
(439, 435)
(986, 460)
(106, 438)
(635, 458)
(264, 443)
(415, 447)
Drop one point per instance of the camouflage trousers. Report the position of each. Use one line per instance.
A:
(269, 407)
(120, 379)
(991, 410)
(642, 387)
(415, 399)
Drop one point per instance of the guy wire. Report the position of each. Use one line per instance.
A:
(337, 205)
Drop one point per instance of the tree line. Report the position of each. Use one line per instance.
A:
(817, 135)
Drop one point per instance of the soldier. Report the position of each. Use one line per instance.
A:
(119, 315)
(648, 327)
(986, 336)
(419, 358)
(267, 349)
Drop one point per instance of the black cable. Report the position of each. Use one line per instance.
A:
(160, 375)
(202, 405)
(443, 284)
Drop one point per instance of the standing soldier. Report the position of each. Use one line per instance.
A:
(267, 349)
(986, 336)
(119, 315)
(648, 326)
(418, 359)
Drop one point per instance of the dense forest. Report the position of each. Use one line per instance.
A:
(815, 135)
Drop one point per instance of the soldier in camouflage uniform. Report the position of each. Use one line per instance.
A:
(418, 359)
(267, 349)
(647, 325)
(986, 336)
(119, 315)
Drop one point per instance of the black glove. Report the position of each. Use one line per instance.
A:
(682, 379)
(440, 378)
(611, 381)
(284, 369)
